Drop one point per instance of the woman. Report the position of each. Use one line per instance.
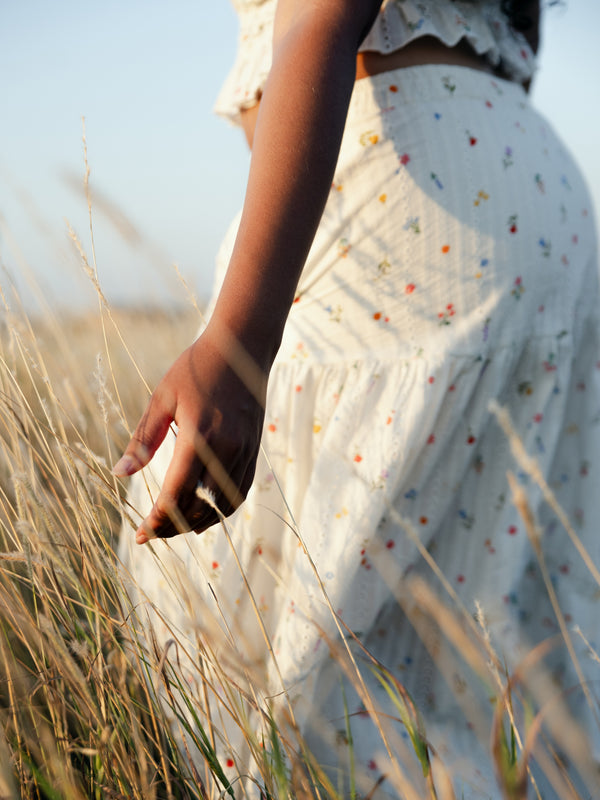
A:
(414, 243)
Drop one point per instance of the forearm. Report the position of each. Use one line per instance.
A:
(213, 392)
(296, 144)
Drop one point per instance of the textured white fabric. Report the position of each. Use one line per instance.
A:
(399, 22)
(455, 264)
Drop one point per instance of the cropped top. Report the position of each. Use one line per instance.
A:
(481, 22)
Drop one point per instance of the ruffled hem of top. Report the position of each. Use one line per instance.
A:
(247, 77)
(483, 25)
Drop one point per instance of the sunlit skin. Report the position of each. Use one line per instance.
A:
(215, 391)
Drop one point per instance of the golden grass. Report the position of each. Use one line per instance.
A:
(79, 694)
(77, 717)
(88, 709)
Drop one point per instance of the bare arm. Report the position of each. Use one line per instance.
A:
(298, 134)
(296, 144)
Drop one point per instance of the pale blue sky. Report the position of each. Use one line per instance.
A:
(145, 74)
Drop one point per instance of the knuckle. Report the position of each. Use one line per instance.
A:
(165, 505)
(139, 446)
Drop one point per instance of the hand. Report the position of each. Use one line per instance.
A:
(219, 417)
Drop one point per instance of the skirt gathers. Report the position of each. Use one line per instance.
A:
(455, 264)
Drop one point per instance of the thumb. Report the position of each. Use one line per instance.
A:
(149, 433)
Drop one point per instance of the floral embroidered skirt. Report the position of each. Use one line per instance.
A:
(455, 264)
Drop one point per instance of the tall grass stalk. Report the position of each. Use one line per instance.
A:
(92, 707)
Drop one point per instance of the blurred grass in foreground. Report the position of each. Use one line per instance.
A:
(77, 717)
(80, 714)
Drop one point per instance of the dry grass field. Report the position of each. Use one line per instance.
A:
(80, 714)
(77, 719)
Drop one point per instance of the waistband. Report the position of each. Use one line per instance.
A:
(406, 86)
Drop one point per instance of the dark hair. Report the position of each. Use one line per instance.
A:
(517, 12)
(517, 15)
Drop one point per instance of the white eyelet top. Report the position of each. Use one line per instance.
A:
(481, 23)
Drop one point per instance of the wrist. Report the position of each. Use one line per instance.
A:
(257, 331)
(248, 352)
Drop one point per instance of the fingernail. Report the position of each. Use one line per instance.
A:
(125, 466)
(144, 534)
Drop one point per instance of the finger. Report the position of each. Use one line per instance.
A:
(240, 477)
(181, 508)
(193, 512)
(211, 503)
(149, 433)
(167, 516)
(223, 473)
